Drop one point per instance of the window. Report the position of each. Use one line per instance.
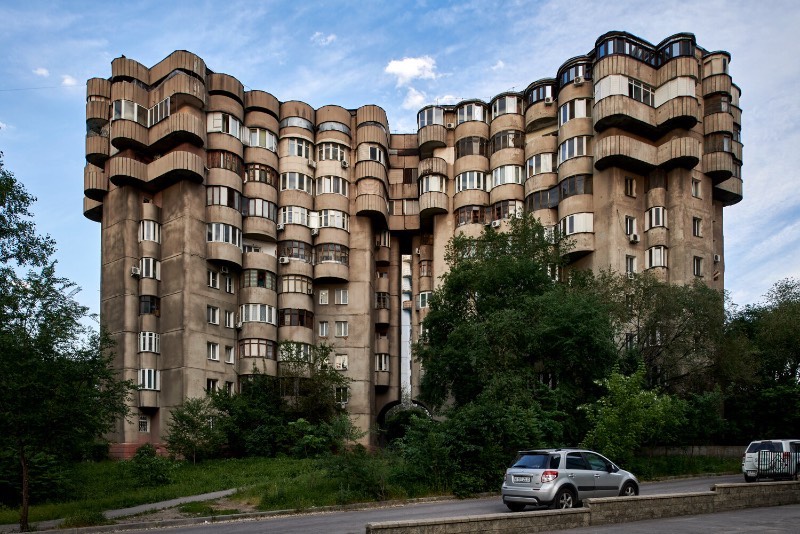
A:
(470, 180)
(573, 147)
(428, 116)
(342, 395)
(341, 296)
(630, 186)
(230, 319)
(323, 329)
(295, 317)
(258, 172)
(580, 184)
(300, 147)
(293, 215)
(505, 209)
(258, 207)
(381, 301)
(696, 188)
(630, 264)
(382, 362)
(332, 184)
(296, 283)
(150, 379)
(149, 342)
(432, 183)
(211, 385)
(331, 151)
(472, 146)
(423, 299)
(539, 93)
(297, 181)
(382, 239)
(131, 111)
(228, 354)
(577, 223)
(540, 200)
(507, 139)
(655, 217)
(331, 253)
(212, 351)
(342, 329)
(220, 159)
(148, 304)
(257, 348)
(229, 390)
(541, 163)
(298, 250)
(217, 195)
(298, 122)
(257, 313)
(426, 268)
(334, 219)
(656, 257)
(144, 423)
(150, 268)
(223, 233)
(333, 126)
(471, 112)
(506, 174)
(630, 225)
(641, 92)
(228, 284)
(340, 362)
(213, 279)
(149, 231)
(506, 104)
(260, 137)
(574, 109)
(583, 71)
(470, 215)
(697, 266)
(258, 278)
(212, 314)
(323, 296)
(410, 175)
(225, 123)
(697, 227)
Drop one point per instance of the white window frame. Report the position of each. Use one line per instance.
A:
(341, 296)
(630, 225)
(149, 230)
(323, 329)
(212, 314)
(150, 379)
(229, 286)
(229, 354)
(655, 217)
(213, 279)
(382, 362)
(257, 313)
(323, 296)
(656, 257)
(342, 329)
(150, 342)
(423, 299)
(340, 362)
(697, 266)
(212, 351)
(230, 319)
(697, 227)
(150, 268)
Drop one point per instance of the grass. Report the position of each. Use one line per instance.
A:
(269, 484)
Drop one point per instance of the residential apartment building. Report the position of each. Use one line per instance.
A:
(232, 221)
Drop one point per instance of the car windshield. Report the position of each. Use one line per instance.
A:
(532, 461)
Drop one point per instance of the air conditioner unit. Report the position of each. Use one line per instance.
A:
(548, 101)
(315, 231)
(495, 224)
(633, 238)
(717, 258)
(312, 163)
(345, 164)
(283, 259)
(578, 80)
(450, 125)
(136, 272)
(630, 276)
(239, 325)
(279, 226)
(224, 270)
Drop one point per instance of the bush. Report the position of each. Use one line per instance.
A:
(149, 469)
(85, 519)
(50, 479)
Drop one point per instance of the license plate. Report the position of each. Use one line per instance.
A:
(751, 473)
(518, 479)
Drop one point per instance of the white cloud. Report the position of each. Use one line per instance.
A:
(499, 65)
(321, 39)
(448, 99)
(68, 81)
(410, 68)
(41, 71)
(3, 126)
(414, 99)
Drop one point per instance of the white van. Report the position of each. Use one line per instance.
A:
(771, 458)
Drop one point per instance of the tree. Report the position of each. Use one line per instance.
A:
(58, 388)
(194, 430)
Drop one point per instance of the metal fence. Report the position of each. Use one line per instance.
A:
(777, 464)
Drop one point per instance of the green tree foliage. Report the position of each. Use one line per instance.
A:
(629, 417)
(149, 469)
(58, 389)
(194, 430)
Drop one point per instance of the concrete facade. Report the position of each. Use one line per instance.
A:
(232, 221)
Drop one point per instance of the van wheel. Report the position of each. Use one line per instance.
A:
(749, 479)
(515, 506)
(565, 498)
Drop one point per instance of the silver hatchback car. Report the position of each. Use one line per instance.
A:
(562, 478)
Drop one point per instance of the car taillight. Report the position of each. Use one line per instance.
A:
(549, 476)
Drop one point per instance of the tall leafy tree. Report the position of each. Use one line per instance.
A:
(58, 389)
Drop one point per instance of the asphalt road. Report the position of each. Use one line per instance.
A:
(354, 521)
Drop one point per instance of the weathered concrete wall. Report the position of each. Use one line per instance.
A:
(721, 498)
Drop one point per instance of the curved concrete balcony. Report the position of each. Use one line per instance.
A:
(97, 150)
(294, 232)
(471, 163)
(128, 134)
(185, 90)
(679, 112)
(539, 182)
(433, 203)
(431, 137)
(301, 301)
(372, 133)
(295, 266)
(371, 113)
(256, 330)
(473, 230)
(373, 206)
(224, 252)
(382, 317)
(622, 64)
(332, 201)
(717, 83)
(227, 85)
(371, 170)
(95, 182)
(382, 345)
(728, 192)
(507, 192)
(471, 129)
(124, 171)
(736, 147)
(432, 166)
(223, 102)
(259, 228)
(425, 252)
(620, 111)
(426, 283)
(718, 165)
(657, 236)
(260, 260)
(541, 145)
(576, 165)
(581, 245)
(92, 209)
(98, 87)
(125, 68)
(331, 272)
(624, 152)
(174, 167)
(659, 273)
(676, 67)
(98, 112)
(300, 334)
(541, 114)
(249, 365)
(148, 398)
(507, 121)
(382, 286)
(507, 156)
(223, 214)
(262, 101)
(333, 113)
(470, 197)
(179, 60)
(223, 141)
(382, 255)
(177, 129)
(382, 378)
(718, 122)
(681, 152)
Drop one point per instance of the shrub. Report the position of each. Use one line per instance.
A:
(149, 469)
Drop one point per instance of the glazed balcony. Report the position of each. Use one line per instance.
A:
(624, 152)
(729, 192)
(95, 182)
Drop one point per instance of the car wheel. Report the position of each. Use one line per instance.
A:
(565, 498)
(515, 506)
(749, 479)
(629, 489)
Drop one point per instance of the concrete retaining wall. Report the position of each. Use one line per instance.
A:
(721, 498)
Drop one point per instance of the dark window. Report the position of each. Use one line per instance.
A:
(149, 304)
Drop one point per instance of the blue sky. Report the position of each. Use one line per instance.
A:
(400, 56)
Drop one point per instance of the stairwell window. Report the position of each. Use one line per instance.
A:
(149, 231)
(150, 379)
(656, 257)
(655, 217)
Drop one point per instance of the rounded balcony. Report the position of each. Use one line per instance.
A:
(374, 206)
(97, 149)
(289, 265)
(127, 134)
(148, 398)
(677, 67)
(254, 364)
(582, 245)
(95, 182)
(382, 255)
(471, 129)
(126, 171)
(264, 102)
(224, 252)
(624, 152)
(224, 103)
(372, 113)
(541, 114)
(98, 112)
(225, 142)
(371, 170)
(470, 197)
(299, 334)
(729, 192)
(431, 137)
(260, 260)
(620, 111)
(178, 60)
(184, 90)
(92, 209)
(223, 84)
(331, 272)
(432, 166)
(718, 123)
(382, 317)
(259, 228)
(174, 167)
(720, 166)
(98, 88)
(540, 182)
(372, 133)
(124, 68)
(433, 203)
(717, 83)
(507, 192)
(471, 163)
(258, 330)
(681, 152)
(576, 165)
(680, 112)
(177, 129)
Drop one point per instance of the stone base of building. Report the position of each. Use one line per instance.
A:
(125, 451)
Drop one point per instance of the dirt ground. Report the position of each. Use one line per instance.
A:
(175, 513)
